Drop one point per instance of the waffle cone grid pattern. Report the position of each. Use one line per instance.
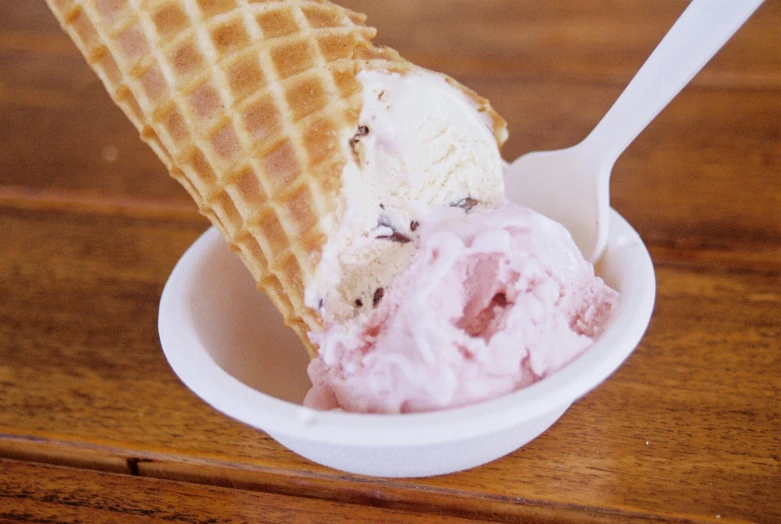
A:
(246, 102)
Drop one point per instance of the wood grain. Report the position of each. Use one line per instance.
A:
(63, 141)
(599, 40)
(84, 384)
(38, 493)
(602, 40)
(59, 130)
(91, 225)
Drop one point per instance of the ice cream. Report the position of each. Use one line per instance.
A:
(420, 144)
(437, 292)
(493, 301)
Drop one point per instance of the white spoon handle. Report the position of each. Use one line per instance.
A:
(702, 29)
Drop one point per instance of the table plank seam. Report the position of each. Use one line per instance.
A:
(442, 504)
(24, 199)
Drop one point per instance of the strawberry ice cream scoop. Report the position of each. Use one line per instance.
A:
(492, 301)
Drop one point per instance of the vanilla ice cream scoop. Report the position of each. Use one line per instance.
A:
(421, 144)
(425, 143)
(492, 301)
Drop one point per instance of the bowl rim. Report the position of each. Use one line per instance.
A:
(200, 373)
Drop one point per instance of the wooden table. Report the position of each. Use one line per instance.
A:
(94, 426)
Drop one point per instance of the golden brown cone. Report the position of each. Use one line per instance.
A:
(247, 102)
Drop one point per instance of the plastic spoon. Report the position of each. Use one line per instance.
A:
(571, 185)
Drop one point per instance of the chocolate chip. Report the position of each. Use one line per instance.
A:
(382, 206)
(414, 225)
(362, 131)
(401, 238)
(358, 302)
(320, 304)
(378, 296)
(465, 203)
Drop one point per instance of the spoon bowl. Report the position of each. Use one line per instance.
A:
(571, 186)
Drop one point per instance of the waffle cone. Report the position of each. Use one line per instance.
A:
(248, 103)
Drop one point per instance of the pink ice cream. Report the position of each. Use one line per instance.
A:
(493, 301)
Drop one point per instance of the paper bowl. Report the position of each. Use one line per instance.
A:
(227, 343)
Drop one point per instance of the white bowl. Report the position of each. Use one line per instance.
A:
(227, 343)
